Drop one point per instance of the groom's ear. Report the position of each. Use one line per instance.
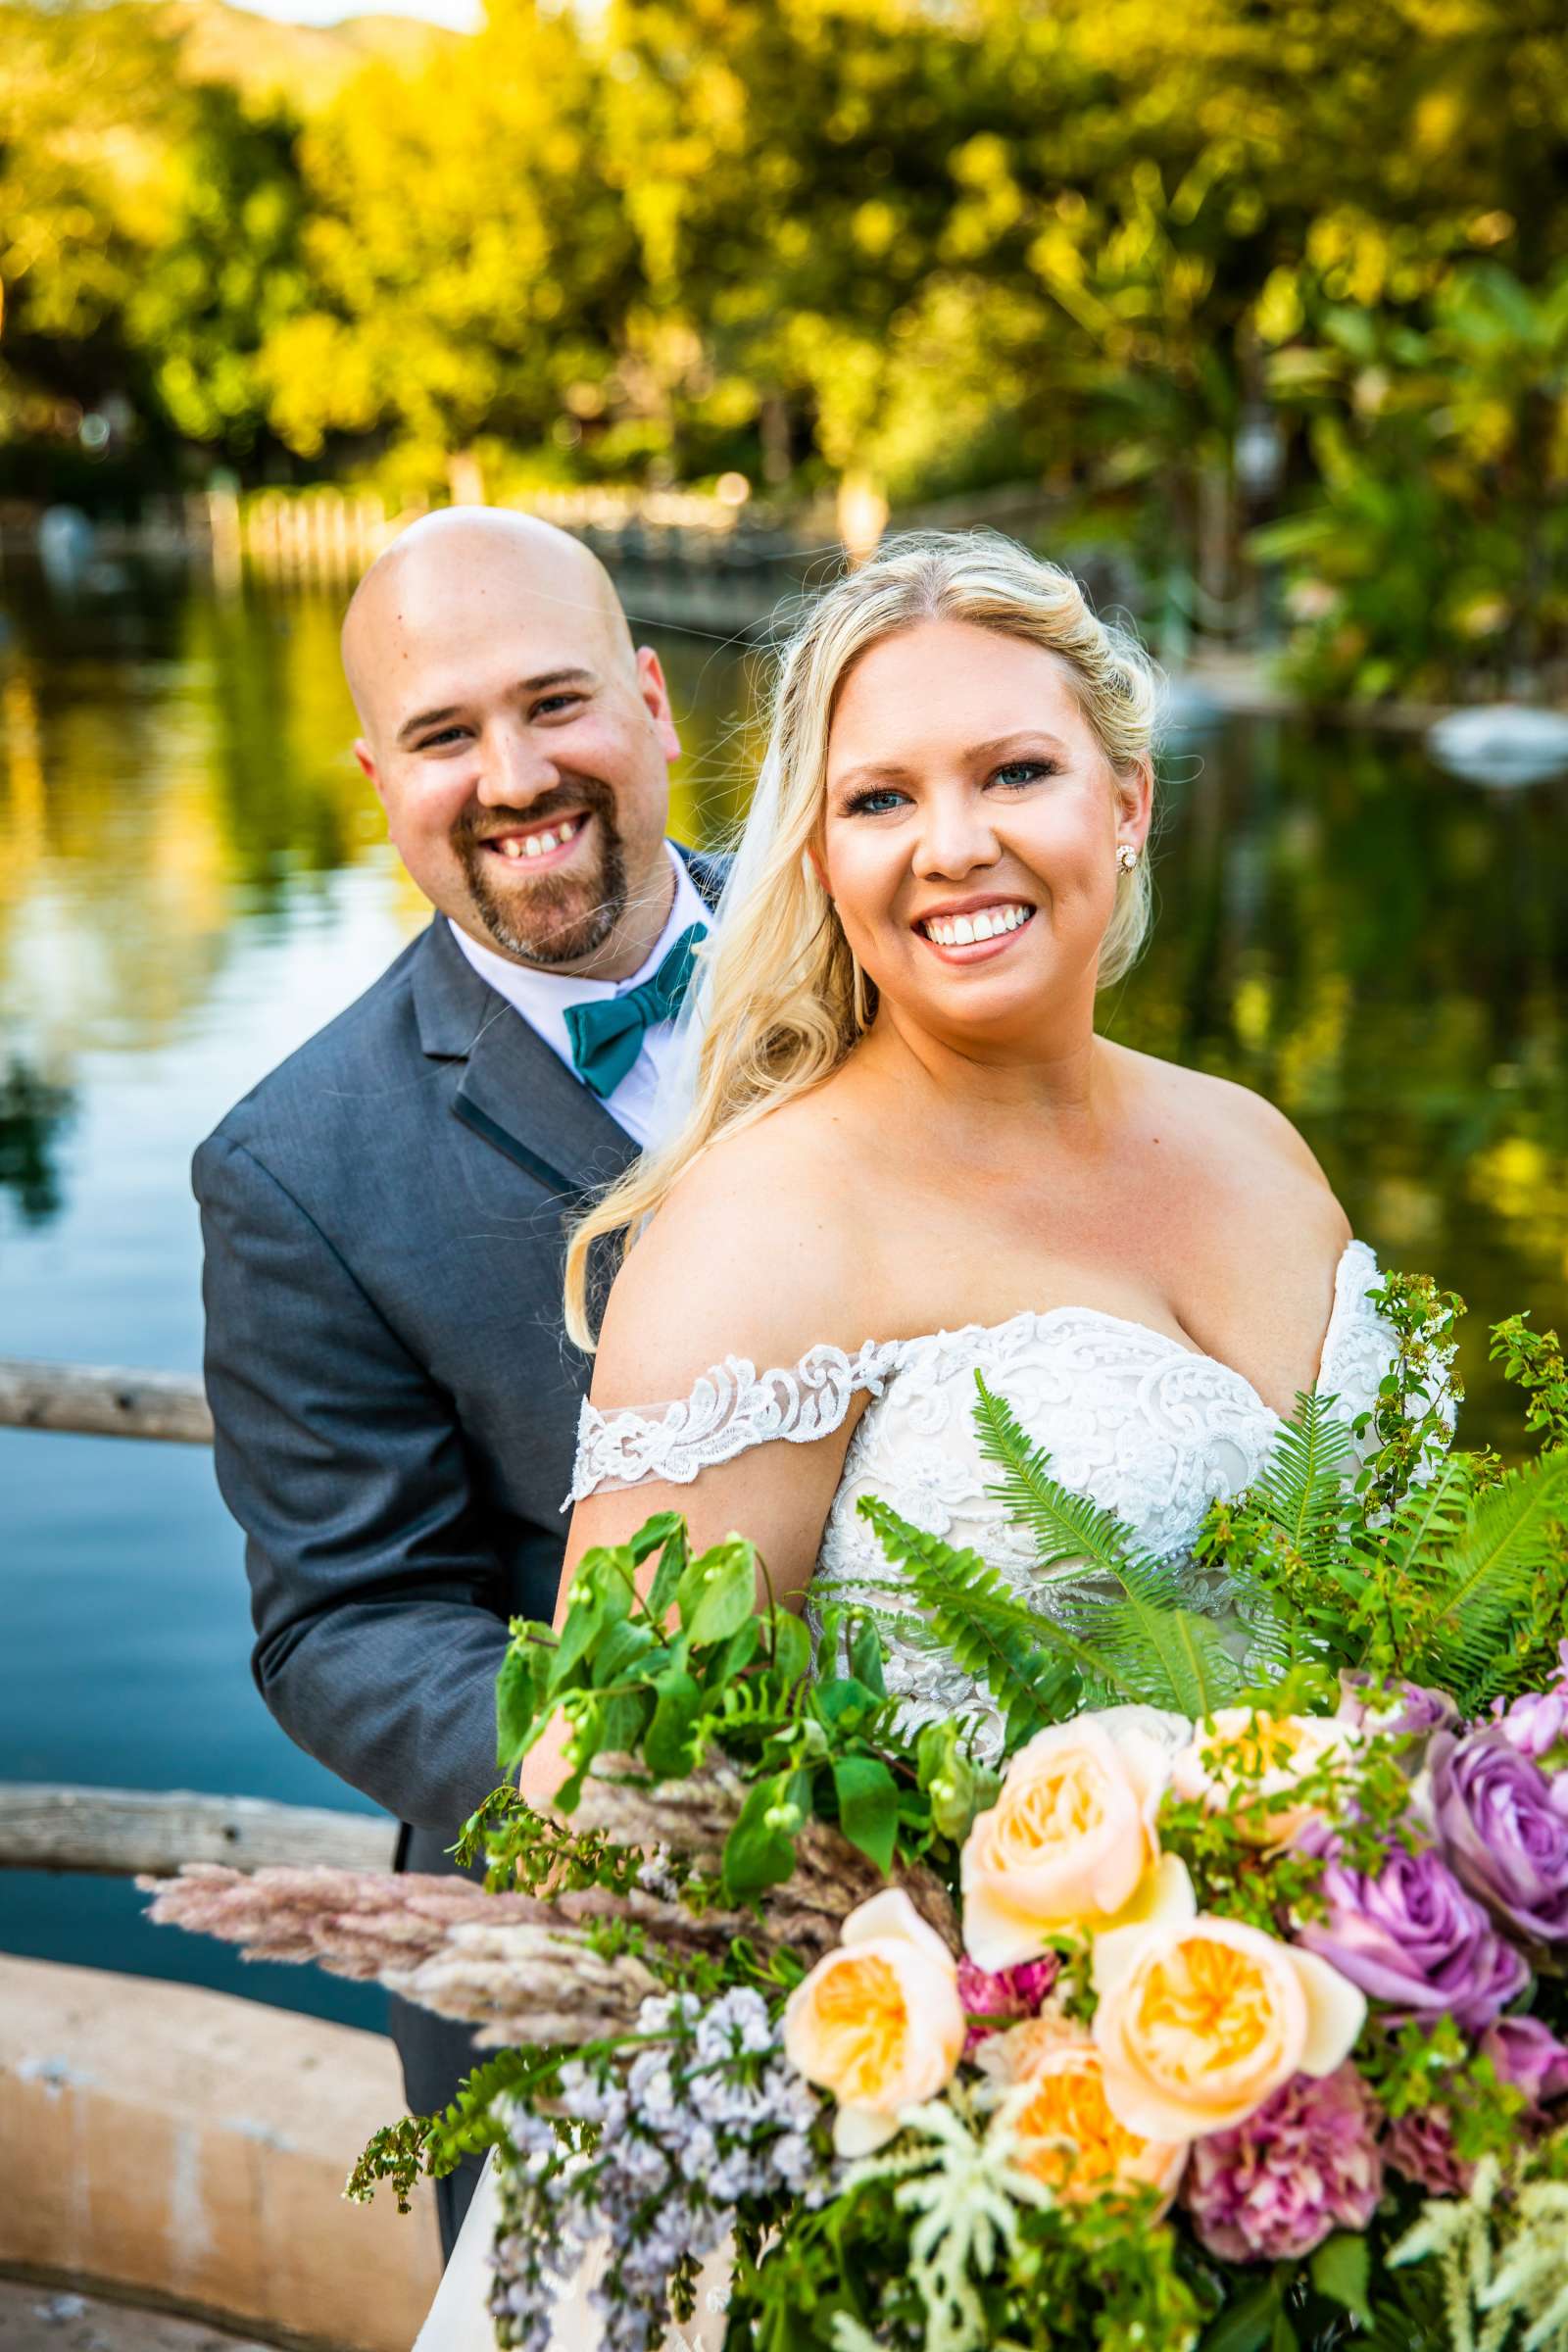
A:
(656, 700)
(362, 753)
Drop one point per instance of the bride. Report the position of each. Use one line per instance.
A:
(907, 1154)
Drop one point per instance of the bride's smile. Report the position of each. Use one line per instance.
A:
(970, 930)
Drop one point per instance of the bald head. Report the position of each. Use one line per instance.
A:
(468, 568)
(519, 743)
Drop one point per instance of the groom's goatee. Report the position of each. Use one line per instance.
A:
(552, 919)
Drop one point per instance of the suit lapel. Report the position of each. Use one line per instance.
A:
(514, 1092)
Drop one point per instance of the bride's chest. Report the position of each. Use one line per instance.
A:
(1128, 1417)
(1250, 1284)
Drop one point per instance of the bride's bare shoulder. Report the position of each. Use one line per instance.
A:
(1236, 1126)
(754, 1254)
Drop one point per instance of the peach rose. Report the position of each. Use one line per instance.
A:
(1063, 2133)
(877, 2022)
(1069, 1843)
(1200, 2020)
(1240, 1755)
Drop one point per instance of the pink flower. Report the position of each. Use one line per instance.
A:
(1420, 2145)
(1004, 1993)
(1528, 2056)
(1303, 2165)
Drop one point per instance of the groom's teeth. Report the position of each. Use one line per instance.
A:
(538, 845)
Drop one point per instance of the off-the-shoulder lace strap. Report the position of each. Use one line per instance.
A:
(731, 1408)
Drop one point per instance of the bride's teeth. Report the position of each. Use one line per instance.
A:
(963, 931)
(982, 926)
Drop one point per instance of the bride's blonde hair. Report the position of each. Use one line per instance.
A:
(784, 999)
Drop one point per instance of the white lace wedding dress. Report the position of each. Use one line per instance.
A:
(1148, 1427)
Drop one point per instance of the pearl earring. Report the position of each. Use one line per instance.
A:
(1126, 858)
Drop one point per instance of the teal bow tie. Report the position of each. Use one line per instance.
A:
(607, 1037)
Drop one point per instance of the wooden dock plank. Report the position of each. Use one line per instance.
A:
(104, 1401)
(125, 1833)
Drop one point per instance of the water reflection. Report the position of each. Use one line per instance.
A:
(31, 1116)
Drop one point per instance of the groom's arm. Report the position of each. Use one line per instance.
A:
(377, 1602)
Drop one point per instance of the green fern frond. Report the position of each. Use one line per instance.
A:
(1171, 1656)
(1176, 1658)
(1032, 1666)
(1066, 1527)
(1432, 1515)
(1481, 1586)
(1302, 1486)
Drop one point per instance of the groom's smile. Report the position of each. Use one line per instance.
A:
(547, 881)
(540, 849)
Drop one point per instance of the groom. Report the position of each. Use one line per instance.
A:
(384, 1215)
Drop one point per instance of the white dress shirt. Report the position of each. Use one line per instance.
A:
(542, 999)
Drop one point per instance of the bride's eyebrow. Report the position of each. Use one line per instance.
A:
(875, 772)
(1036, 738)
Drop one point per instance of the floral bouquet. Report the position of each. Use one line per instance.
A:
(1228, 2010)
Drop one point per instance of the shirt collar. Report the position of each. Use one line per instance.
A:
(542, 998)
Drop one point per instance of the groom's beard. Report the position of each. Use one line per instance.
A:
(549, 918)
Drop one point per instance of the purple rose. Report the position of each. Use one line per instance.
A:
(1413, 1940)
(1529, 2055)
(1304, 2165)
(1535, 1724)
(1407, 1710)
(1504, 1827)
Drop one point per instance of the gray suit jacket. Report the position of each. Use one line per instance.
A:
(395, 1400)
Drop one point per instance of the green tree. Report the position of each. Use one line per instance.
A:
(230, 276)
(469, 263)
(85, 112)
(1431, 553)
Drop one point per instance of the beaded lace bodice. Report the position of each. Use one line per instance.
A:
(1144, 1425)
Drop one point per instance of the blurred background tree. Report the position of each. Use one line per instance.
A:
(1250, 283)
(88, 155)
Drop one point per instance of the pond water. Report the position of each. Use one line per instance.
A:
(193, 878)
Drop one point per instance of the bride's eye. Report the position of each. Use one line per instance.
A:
(1018, 772)
(875, 800)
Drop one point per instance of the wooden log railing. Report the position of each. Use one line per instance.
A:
(97, 1401)
(132, 1833)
